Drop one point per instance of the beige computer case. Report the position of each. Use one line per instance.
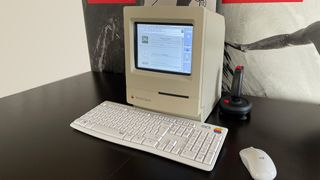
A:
(191, 96)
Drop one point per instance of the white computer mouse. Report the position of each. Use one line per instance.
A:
(258, 163)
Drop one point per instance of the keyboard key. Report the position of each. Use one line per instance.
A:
(175, 150)
(137, 139)
(150, 142)
(188, 146)
(192, 140)
(173, 142)
(161, 146)
(214, 145)
(83, 122)
(148, 129)
(186, 134)
(90, 125)
(180, 131)
(136, 126)
(166, 124)
(141, 133)
(154, 131)
(171, 131)
(178, 121)
(205, 147)
(153, 136)
(200, 157)
(195, 148)
(174, 129)
(128, 137)
(168, 148)
(108, 131)
(142, 128)
(191, 124)
(162, 131)
(198, 143)
(209, 158)
(197, 132)
(188, 154)
(135, 131)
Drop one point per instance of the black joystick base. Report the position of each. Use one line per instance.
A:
(235, 108)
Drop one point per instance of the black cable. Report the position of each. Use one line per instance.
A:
(154, 2)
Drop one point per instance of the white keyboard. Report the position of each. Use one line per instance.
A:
(183, 140)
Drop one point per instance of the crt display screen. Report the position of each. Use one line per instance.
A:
(164, 47)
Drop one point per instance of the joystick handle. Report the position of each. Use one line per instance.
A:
(236, 86)
(234, 106)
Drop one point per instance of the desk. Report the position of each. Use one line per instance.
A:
(36, 141)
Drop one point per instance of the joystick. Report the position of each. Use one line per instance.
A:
(234, 106)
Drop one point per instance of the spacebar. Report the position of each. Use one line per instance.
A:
(108, 131)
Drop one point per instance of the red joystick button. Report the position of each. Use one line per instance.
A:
(239, 67)
(226, 101)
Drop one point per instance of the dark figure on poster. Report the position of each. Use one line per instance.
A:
(108, 37)
(186, 2)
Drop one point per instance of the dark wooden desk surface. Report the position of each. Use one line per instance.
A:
(36, 141)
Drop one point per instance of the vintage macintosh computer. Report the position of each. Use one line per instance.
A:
(174, 58)
(173, 62)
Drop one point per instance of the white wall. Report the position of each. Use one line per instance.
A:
(41, 41)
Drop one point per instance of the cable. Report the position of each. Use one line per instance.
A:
(154, 2)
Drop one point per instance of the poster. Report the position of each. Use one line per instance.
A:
(104, 27)
(279, 45)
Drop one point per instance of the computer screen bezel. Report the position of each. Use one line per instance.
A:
(136, 47)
